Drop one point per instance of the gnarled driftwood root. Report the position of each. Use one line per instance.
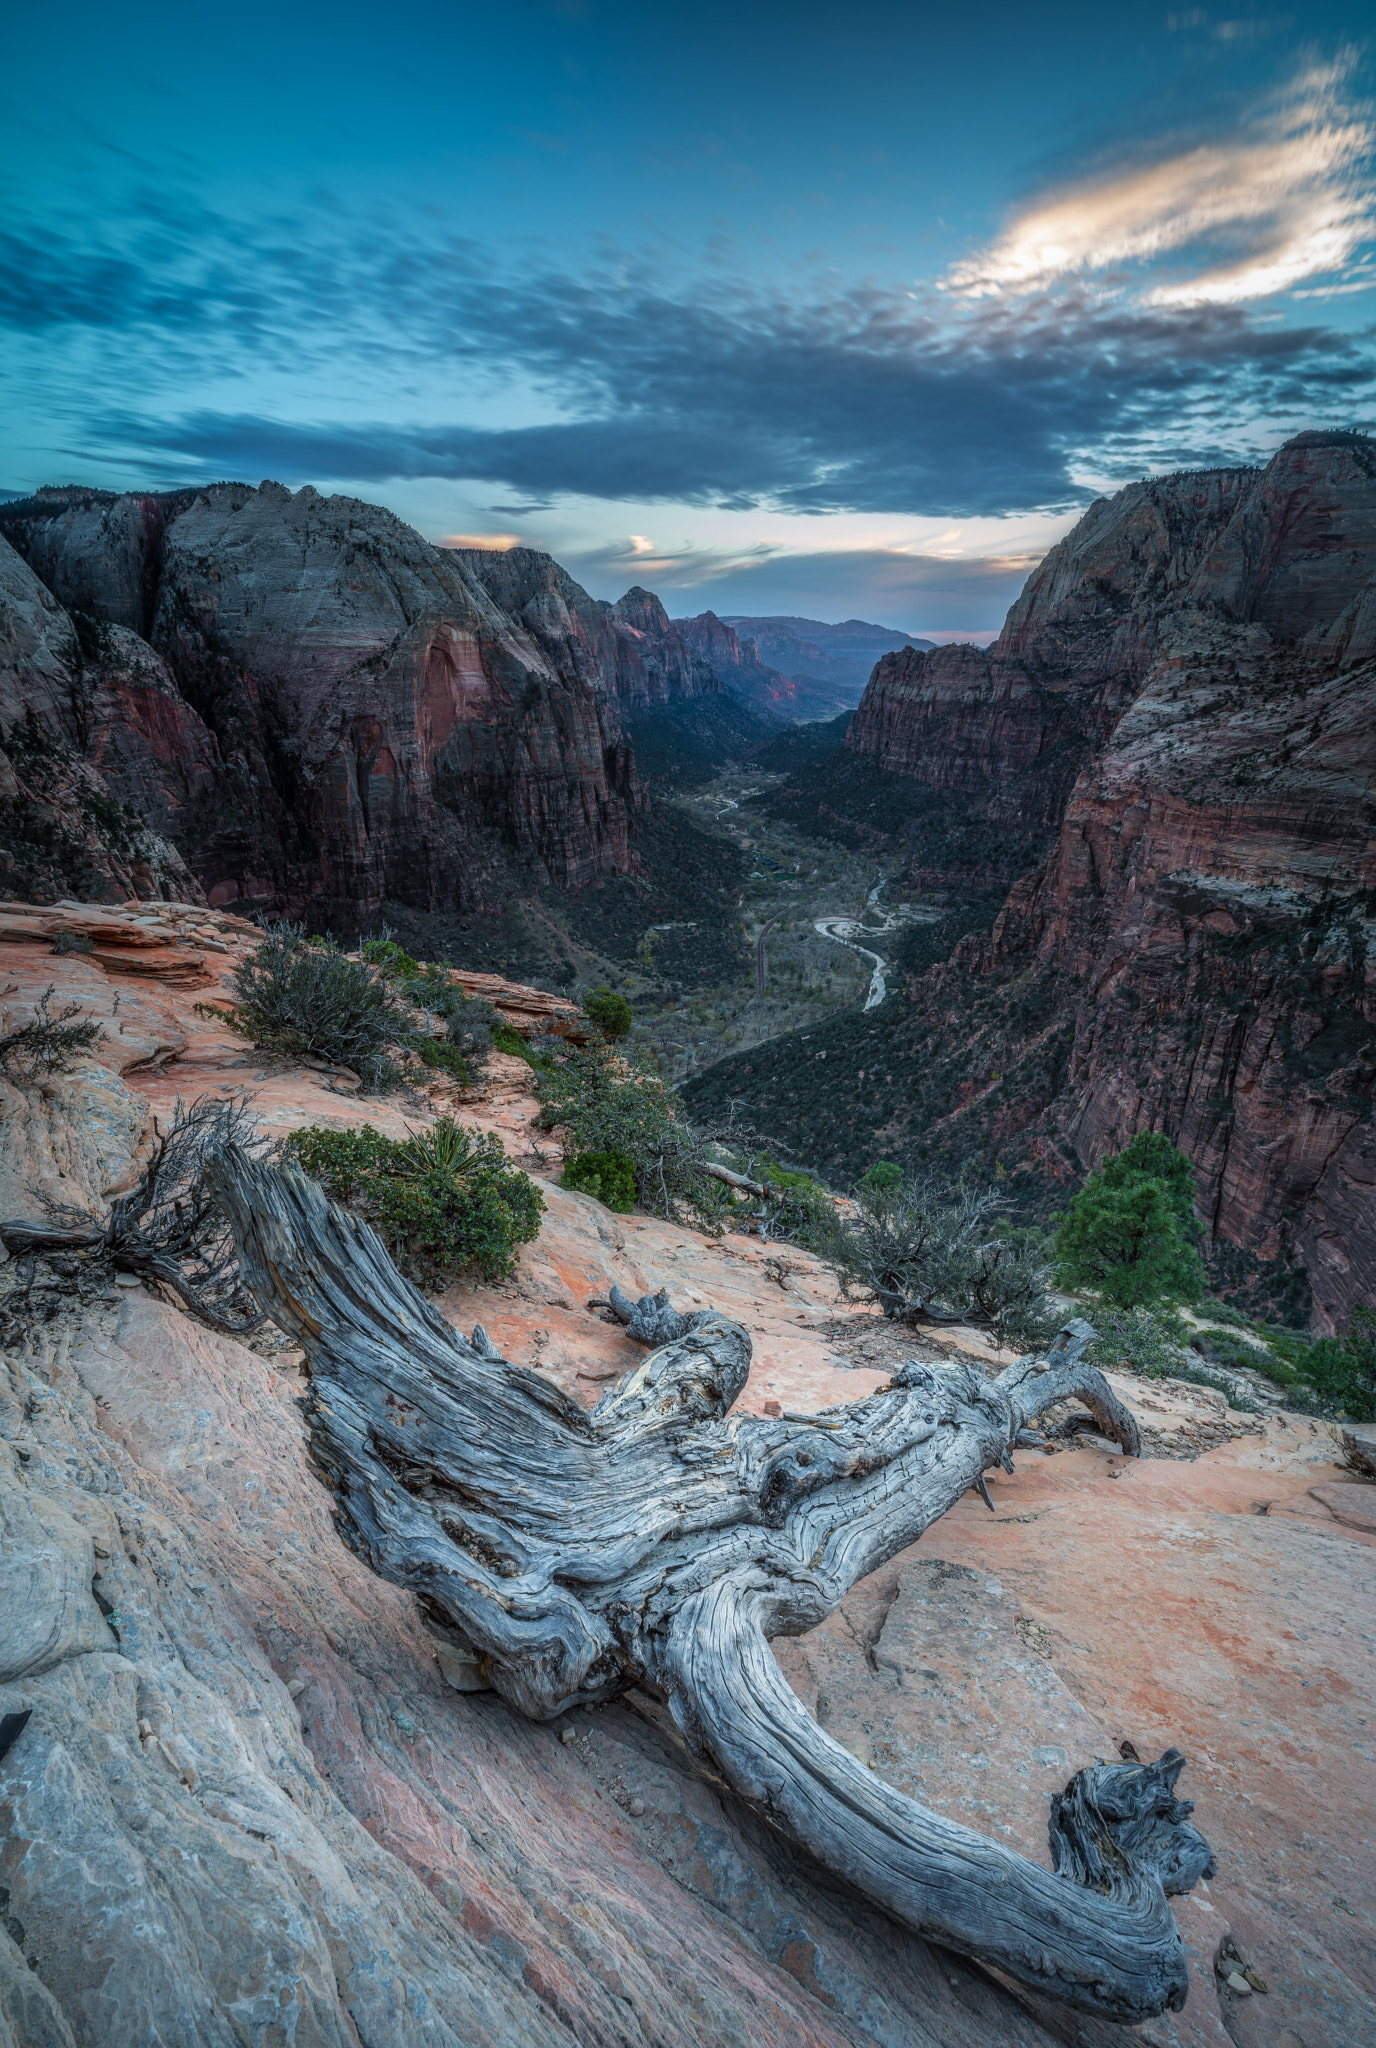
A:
(657, 1540)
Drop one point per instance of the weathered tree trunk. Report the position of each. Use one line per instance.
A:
(657, 1541)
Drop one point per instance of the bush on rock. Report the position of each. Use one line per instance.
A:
(446, 1201)
(608, 1176)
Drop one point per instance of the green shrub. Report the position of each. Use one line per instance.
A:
(925, 1255)
(1342, 1370)
(1156, 1344)
(445, 1057)
(603, 1104)
(608, 1176)
(804, 1212)
(610, 1012)
(885, 1173)
(445, 1201)
(385, 953)
(317, 1002)
(1129, 1232)
(506, 1038)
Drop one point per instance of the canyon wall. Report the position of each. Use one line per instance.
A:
(630, 652)
(739, 664)
(1014, 723)
(1199, 953)
(98, 754)
(325, 711)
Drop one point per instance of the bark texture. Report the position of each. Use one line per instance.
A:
(657, 1541)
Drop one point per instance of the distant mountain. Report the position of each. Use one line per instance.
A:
(842, 655)
(796, 699)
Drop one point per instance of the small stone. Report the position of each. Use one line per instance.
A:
(636, 1808)
(128, 1280)
(295, 1687)
(1238, 1984)
(567, 1735)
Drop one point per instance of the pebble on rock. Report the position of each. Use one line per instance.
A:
(636, 1808)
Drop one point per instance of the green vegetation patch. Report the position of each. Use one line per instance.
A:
(445, 1201)
(603, 1104)
(684, 745)
(608, 1176)
(1130, 1232)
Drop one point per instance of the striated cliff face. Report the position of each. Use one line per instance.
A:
(1199, 953)
(631, 653)
(1015, 722)
(1290, 547)
(99, 754)
(346, 712)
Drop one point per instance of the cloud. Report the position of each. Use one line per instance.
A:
(636, 385)
(858, 404)
(1289, 196)
(923, 594)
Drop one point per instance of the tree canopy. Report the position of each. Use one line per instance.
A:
(1129, 1233)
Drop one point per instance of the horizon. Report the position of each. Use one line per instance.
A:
(775, 320)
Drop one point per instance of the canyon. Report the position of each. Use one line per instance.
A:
(1183, 701)
(1162, 764)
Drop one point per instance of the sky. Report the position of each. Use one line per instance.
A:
(770, 308)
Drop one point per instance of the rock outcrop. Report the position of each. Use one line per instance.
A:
(336, 712)
(1196, 955)
(99, 755)
(738, 664)
(630, 652)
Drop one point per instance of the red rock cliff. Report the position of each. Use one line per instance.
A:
(1201, 945)
(630, 652)
(377, 726)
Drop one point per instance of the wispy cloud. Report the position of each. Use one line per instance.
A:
(1289, 196)
(623, 381)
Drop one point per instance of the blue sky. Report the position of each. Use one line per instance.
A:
(772, 308)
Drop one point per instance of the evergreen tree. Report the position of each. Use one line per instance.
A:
(1129, 1233)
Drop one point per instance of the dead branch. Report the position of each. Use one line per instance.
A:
(659, 1541)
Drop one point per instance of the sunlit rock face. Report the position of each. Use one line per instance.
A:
(375, 725)
(1204, 926)
(630, 652)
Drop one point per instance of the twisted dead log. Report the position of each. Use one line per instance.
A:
(658, 1541)
(651, 1320)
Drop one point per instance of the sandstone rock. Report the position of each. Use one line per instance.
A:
(192, 1852)
(740, 667)
(630, 652)
(373, 724)
(1353, 1506)
(1359, 1442)
(1193, 956)
(66, 830)
(250, 1785)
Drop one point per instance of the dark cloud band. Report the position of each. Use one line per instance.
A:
(707, 392)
